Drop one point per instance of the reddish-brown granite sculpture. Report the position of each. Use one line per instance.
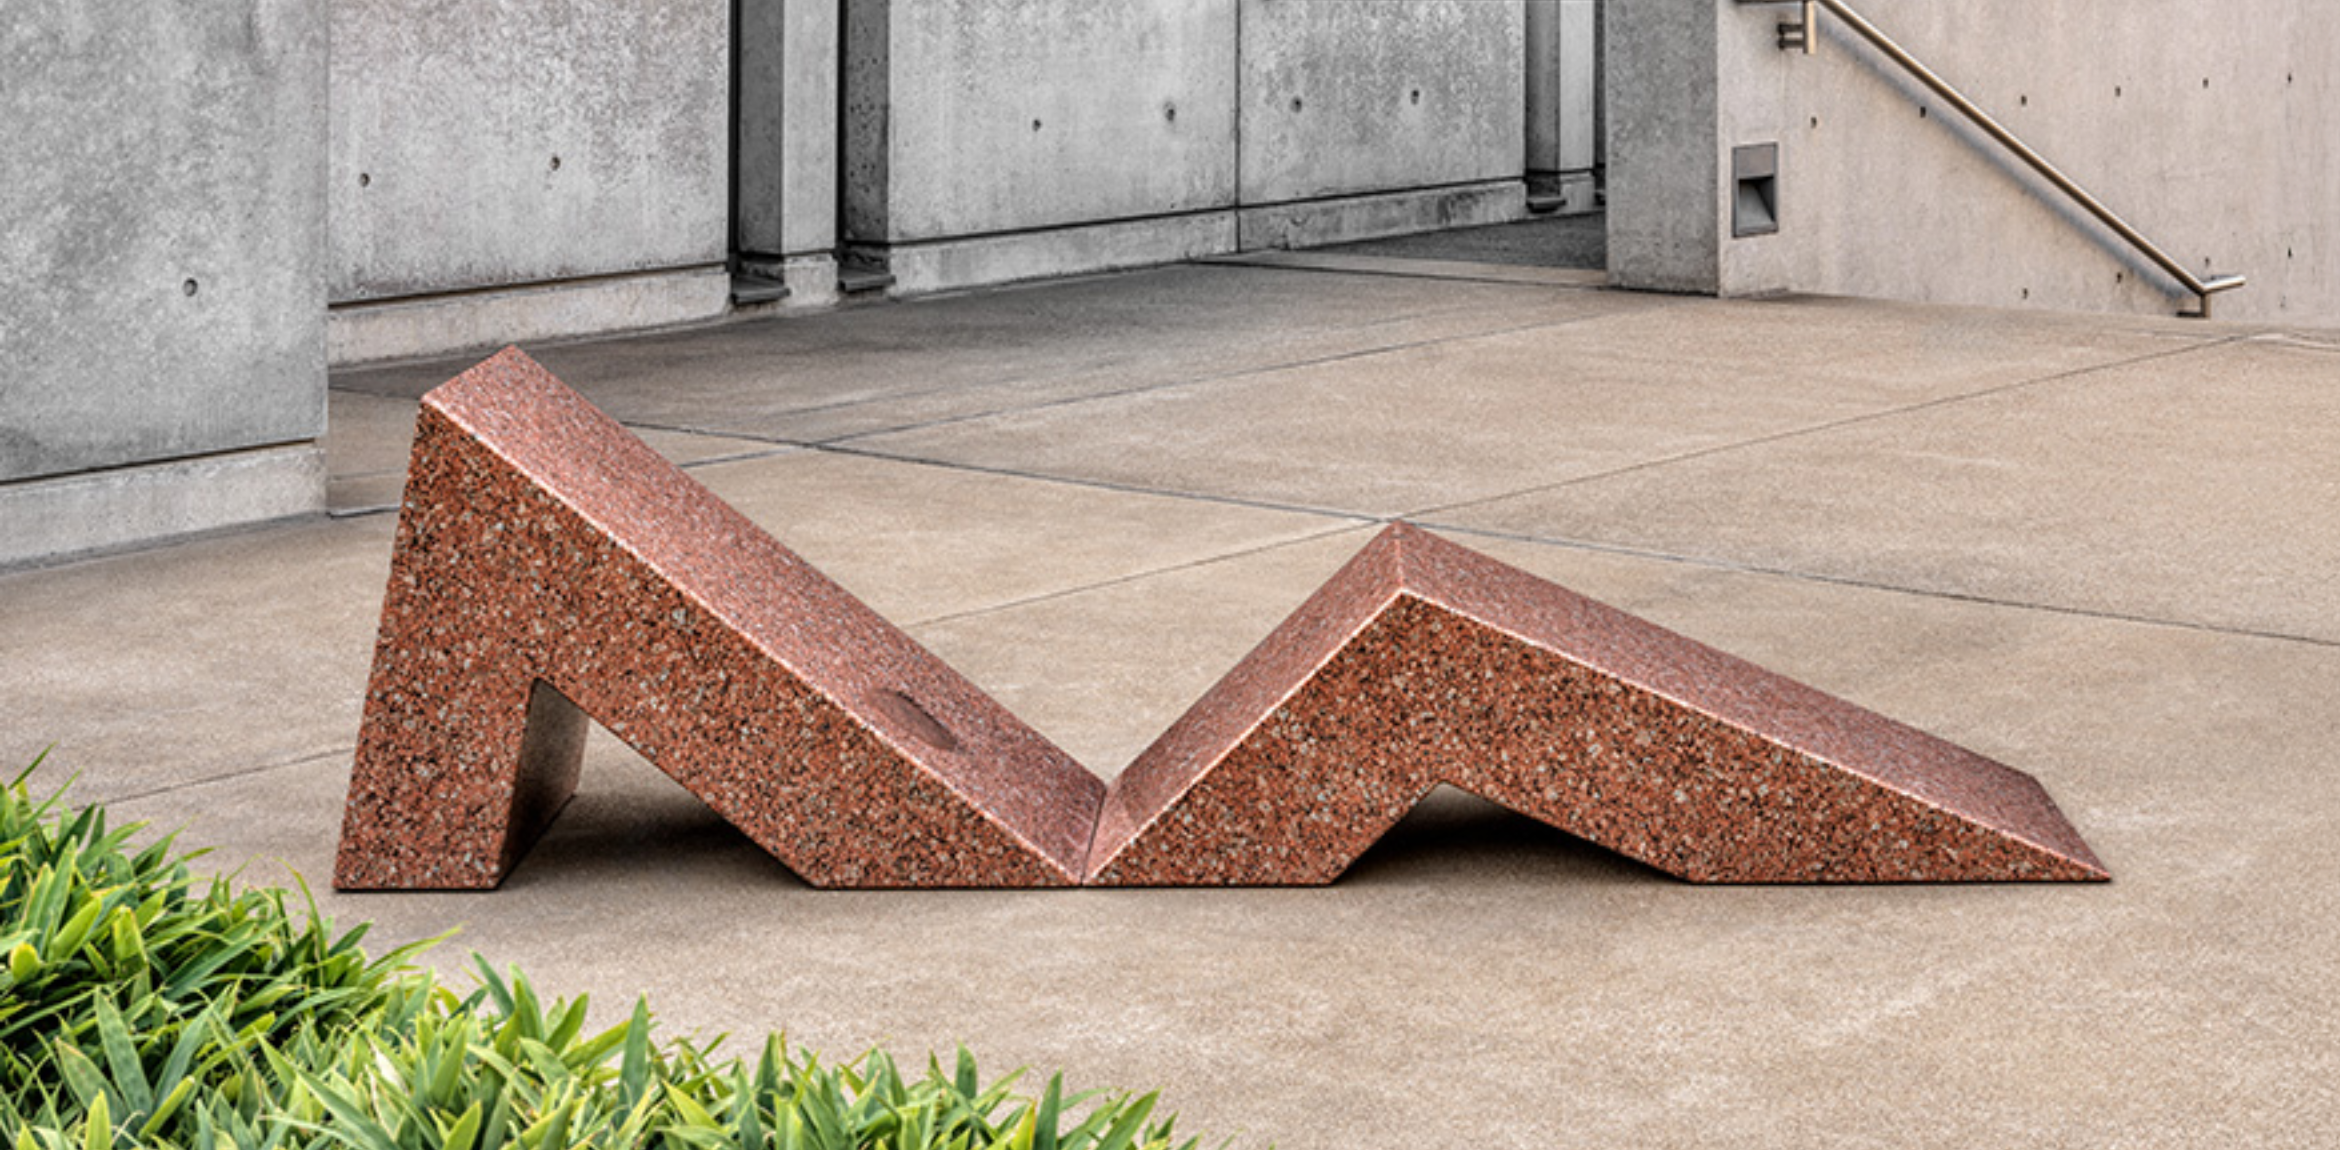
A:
(546, 557)
(1424, 663)
(549, 566)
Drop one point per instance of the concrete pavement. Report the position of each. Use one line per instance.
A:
(2099, 549)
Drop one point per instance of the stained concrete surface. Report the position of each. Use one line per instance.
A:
(162, 260)
(1573, 241)
(491, 144)
(1476, 979)
(1410, 103)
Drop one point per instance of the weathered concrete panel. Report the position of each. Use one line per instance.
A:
(161, 231)
(967, 117)
(1350, 98)
(2214, 129)
(493, 142)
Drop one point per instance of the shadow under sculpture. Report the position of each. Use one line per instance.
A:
(550, 566)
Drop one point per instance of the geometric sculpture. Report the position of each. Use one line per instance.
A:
(547, 561)
(1423, 662)
(549, 566)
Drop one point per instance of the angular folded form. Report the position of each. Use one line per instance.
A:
(1423, 663)
(550, 567)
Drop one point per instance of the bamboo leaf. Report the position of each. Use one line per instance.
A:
(98, 1134)
(464, 1134)
(122, 1058)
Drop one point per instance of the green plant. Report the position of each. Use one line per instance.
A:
(140, 1005)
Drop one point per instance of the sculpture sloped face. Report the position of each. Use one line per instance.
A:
(1423, 663)
(540, 543)
(550, 567)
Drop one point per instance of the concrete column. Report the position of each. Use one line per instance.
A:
(784, 151)
(1563, 95)
(759, 116)
(1664, 166)
(162, 275)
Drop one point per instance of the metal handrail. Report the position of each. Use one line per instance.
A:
(1805, 35)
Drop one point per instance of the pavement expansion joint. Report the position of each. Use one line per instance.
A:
(550, 568)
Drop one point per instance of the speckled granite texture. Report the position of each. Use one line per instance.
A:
(546, 557)
(1423, 663)
(549, 566)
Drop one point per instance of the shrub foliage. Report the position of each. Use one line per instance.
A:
(142, 1005)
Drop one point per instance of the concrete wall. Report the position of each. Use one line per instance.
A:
(1414, 112)
(986, 142)
(1343, 99)
(1011, 117)
(162, 268)
(492, 143)
(2214, 129)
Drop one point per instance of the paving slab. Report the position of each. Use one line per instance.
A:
(860, 370)
(236, 653)
(2194, 488)
(919, 542)
(367, 437)
(1401, 430)
(1141, 649)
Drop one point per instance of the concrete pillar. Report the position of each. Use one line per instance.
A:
(1563, 104)
(1664, 167)
(162, 276)
(784, 147)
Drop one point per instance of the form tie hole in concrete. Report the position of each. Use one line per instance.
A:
(905, 710)
(189, 288)
(1417, 95)
(1296, 105)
